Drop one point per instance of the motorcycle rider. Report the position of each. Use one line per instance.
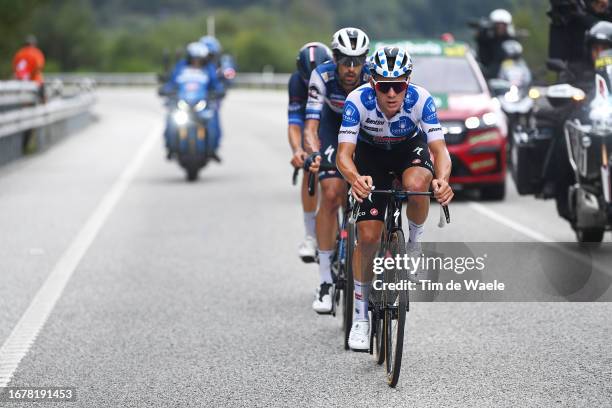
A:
(215, 49)
(196, 66)
(490, 38)
(597, 40)
(328, 88)
(309, 57)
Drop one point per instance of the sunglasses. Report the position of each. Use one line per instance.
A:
(349, 61)
(386, 86)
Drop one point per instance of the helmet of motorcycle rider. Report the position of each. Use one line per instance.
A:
(599, 38)
(350, 46)
(500, 16)
(390, 62)
(311, 55)
(197, 53)
(214, 46)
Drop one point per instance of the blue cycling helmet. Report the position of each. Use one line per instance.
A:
(390, 62)
(214, 46)
(197, 51)
(311, 55)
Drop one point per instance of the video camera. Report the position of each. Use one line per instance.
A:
(563, 11)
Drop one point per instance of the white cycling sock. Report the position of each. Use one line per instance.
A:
(309, 223)
(362, 292)
(416, 232)
(325, 259)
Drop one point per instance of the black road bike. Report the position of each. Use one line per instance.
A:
(389, 305)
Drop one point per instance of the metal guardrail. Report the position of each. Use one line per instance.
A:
(244, 79)
(28, 126)
(18, 120)
(15, 93)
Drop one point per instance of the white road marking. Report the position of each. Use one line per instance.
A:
(581, 257)
(25, 332)
(509, 223)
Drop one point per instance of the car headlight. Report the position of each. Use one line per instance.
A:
(180, 117)
(487, 120)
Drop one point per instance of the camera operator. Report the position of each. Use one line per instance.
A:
(489, 39)
(570, 21)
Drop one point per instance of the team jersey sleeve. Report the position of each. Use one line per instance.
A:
(298, 96)
(316, 96)
(351, 118)
(428, 117)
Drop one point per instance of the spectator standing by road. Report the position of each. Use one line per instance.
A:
(28, 64)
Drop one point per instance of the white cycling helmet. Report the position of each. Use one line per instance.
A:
(501, 16)
(351, 42)
(391, 62)
(197, 50)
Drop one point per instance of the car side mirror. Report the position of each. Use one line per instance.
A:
(499, 87)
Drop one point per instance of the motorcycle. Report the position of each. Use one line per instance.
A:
(189, 134)
(566, 155)
(512, 86)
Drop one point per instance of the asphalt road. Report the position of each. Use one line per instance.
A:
(192, 294)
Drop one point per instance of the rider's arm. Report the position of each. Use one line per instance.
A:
(347, 144)
(216, 85)
(298, 95)
(314, 107)
(435, 139)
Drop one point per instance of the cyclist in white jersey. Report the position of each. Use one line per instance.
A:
(389, 125)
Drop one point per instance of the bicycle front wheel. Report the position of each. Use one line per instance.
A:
(349, 285)
(396, 302)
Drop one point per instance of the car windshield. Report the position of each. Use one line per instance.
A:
(445, 75)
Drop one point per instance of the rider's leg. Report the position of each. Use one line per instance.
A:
(333, 190)
(369, 233)
(417, 179)
(309, 206)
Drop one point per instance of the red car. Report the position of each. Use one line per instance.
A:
(474, 124)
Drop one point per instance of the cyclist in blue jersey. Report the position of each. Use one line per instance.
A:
(389, 125)
(310, 56)
(329, 86)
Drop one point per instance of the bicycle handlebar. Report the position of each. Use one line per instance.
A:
(444, 212)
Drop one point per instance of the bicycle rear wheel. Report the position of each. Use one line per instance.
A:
(349, 284)
(396, 301)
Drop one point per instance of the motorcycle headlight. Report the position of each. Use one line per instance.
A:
(180, 117)
(200, 106)
(182, 105)
(513, 95)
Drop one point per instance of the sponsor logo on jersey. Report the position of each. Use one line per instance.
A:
(430, 115)
(313, 92)
(375, 122)
(368, 98)
(295, 106)
(402, 127)
(412, 97)
(436, 129)
(373, 212)
(372, 129)
(350, 116)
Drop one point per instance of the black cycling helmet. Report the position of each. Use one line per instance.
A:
(311, 55)
(600, 33)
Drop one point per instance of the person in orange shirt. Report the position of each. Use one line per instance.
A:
(29, 62)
